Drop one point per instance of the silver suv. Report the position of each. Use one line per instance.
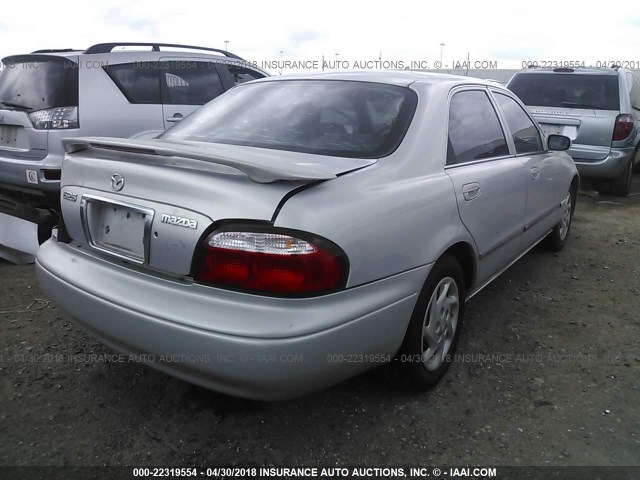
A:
(599, 109)
(113, 89)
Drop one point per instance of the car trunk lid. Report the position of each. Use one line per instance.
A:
(151, 202)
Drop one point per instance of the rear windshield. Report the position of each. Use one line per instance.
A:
(597, 92)
(36, 83)
(325, 117)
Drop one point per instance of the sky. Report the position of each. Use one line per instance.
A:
(411, 32)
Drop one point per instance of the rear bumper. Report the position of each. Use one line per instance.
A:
(17, 172)
(245, 345)
(610, 167)
(24, 223)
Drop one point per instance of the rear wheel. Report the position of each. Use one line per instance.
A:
(557, 238)
(621, 185)
(433, 331)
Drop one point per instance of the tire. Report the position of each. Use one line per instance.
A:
(621, 185)
(603, 187)
(557, 238)
(419, 366)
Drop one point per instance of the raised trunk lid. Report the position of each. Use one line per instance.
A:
(173, 200)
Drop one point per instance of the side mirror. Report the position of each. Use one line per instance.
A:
(558, 142)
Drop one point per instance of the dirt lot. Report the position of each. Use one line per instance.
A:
(548, 374)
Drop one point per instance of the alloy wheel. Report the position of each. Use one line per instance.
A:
(440, 323)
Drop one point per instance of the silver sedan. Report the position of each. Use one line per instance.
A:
(299, 230)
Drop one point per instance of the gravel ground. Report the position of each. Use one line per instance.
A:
(548, 374)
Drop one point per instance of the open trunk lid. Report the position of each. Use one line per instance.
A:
(150, 202)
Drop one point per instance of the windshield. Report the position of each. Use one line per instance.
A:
(325, 117)
(31, 83)
(597, 92)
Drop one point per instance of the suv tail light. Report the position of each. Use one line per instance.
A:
(55, 118)
(623, 127)
(271, 262)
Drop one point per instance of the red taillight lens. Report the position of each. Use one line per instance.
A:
(623, 127)
(270, 263)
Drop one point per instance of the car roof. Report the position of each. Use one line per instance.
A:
(402, 78)
(133, 55)
(149, 49)
(578, 70)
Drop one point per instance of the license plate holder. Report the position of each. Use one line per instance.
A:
(8, 136)
(550, 129)
(118, 228)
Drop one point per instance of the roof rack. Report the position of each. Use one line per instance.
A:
(55, 50)
(108, 47)
(615, 66)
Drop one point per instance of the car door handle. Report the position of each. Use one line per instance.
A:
(534, 172)
(471, 191)
(176, 118)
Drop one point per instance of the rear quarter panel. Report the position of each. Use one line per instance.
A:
(395, 215)
(384, 227)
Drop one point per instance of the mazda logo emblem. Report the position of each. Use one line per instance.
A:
(117, 182)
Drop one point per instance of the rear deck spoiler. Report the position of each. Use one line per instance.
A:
(260, 165)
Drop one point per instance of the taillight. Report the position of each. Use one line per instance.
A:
(55, 118)
(623, 127)
(269, 262)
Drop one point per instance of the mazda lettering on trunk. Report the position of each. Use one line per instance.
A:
(179, 221)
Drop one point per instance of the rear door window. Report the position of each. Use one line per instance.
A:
(474, 129)
(523, 131)
(38, 82)
(139, 82)
(567, 90)
(189, 82)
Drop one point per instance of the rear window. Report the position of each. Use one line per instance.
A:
(325, 117)
(597, 92)
(36, 83)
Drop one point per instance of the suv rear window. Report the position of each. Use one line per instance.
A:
(568, 90)
(37, 82)
(325, 117)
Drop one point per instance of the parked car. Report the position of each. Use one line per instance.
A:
(295, 232)
(599, 109)
(49, 95)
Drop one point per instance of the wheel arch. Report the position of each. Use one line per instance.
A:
(464, 254)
